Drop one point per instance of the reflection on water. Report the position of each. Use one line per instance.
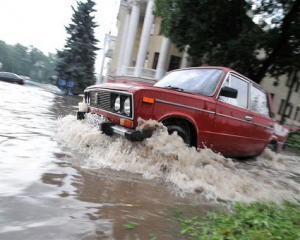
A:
(60, 179)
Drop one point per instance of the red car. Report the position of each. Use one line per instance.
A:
(213, 107)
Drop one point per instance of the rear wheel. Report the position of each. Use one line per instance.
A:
(184, 133)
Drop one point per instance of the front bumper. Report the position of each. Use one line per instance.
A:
(109, 128)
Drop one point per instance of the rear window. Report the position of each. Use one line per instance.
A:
(259, 102)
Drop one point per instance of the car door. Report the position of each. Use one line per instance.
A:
(262, 122)
(233, 128)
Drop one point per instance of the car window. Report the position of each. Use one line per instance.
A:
(203, 81)
(241, 86)
(259, 102)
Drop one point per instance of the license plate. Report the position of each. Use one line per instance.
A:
(94, 120)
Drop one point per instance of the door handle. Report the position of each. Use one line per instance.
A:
(248, 118)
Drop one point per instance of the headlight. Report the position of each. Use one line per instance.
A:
(117, 104)
(127, 107)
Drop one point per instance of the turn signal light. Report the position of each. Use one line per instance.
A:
(148, 100)
(126, 123)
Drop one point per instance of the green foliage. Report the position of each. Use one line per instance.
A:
(219, 32)
(255, 221)
(27, 61)
(77, 59)
(153, 237)
(294, 140)
(130, 225)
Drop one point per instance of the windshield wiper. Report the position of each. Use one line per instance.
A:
(174, 88)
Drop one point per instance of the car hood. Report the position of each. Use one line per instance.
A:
(130, 87)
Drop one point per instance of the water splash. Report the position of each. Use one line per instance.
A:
(269, 177)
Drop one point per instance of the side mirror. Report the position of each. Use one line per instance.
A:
(228, 92)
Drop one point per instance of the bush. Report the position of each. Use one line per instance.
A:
(294, 140)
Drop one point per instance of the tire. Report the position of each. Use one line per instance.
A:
(272, 147)
(181, 132)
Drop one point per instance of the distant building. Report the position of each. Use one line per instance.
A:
(279, 94)
(142, 51)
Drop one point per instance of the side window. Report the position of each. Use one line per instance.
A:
(242, 87)
(259, 102)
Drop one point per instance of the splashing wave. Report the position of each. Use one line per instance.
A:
(270, 177)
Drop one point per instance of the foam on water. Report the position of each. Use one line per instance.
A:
(270, 177)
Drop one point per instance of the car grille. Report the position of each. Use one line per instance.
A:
(100, 99)
(103, 99)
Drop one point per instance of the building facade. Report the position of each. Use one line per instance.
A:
(142, 51)
(284, 107)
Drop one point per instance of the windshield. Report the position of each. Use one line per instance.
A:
(201, 80)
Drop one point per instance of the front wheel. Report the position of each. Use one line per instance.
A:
(272, 146)
(182, 132)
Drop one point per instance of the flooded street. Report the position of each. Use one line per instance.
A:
(61, 179)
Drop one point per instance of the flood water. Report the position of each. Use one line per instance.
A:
(62, 179)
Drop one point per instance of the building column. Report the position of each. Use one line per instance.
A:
(145, 38)
(123, 44)
(161, 65)
(185, 61)
(131, 34)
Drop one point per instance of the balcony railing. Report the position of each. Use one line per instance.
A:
(146, 72)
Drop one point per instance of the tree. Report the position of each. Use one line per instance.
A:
(282, 44)
(27, 61)
(220, 32)
(76, 61)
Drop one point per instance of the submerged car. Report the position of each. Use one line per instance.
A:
(213, 107)
(11, 77)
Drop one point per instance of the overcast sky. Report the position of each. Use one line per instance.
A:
(41, 22)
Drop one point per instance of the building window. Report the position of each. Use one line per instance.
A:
(289, 109)
(297, 86)
(286, 111)
(155, 60)
(297, 113)
(152, 29)
(174, 63)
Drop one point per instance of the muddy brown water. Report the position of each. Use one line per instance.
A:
(62, 179)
